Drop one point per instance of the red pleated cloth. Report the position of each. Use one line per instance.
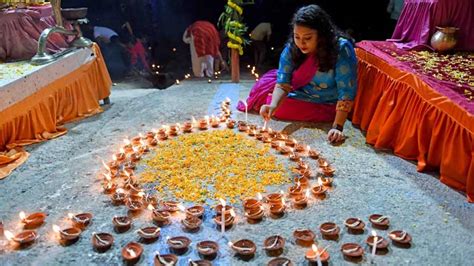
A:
(206, 38)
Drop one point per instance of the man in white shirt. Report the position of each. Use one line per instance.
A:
(260, 36)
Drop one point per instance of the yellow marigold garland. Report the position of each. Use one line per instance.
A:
(211, 165)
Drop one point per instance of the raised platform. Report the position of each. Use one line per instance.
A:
(36, 100)
(421, 107)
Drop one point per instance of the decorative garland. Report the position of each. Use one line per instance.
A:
(231, 19)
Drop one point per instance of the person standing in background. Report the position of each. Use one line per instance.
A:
(394, 8)
(260, 37)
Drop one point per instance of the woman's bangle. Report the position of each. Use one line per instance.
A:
(338, 127)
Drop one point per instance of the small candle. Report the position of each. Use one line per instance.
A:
(177, 82)
(374, 246)
(222, 216)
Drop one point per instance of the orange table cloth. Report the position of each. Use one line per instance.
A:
(40, 115)
(400, 111)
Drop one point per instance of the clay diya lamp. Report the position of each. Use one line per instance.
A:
(207, 249)
(136, 140)
(280, 262)
(267, 139)
(329, 231)
(277, 210)
(135, 157)
(33, 220)
(245, 249)
(134, 205)
(327, 170)
(150, 134)
(259, 136)
(113, 165)
(150, 200)
(228, 222)
(303, 181)
(243, 128)
(295, 190)
(129, 166)
(281, 136)
(319, 191)
(302, 166)
(23, 239)
(165, 259)
(313, 154)
(179, 244)
(299, 148)
(315, 252)
(274, 198)
(121, 223)
(132, 252)
(251, 204)
(379, 221)
(227, 209)
(291, 142)
(252, 132)
(381, 242)
(187, 127)
(149, 234)
(400, 238)
(109, 187)
(254, 215)
(215, 122)
(284, 150)
(196, 211)
(199, 263)
(300, 201)
(230, 124)
(81, 220)
(152, 142)
(171, 206)
(275, 144)
(327, 181)
(162, 136)
(304, 237)
(121, 156)
(203, 124)
(102, 241)
(274, 245)
(352, 251)
(191, 223)
(161, 217)
(174, 130)
(294, 157)
(223, 118)
(69, 235)
(355, 225)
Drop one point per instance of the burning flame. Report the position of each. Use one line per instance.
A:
(315, 249)
(206, 118)
(114, 158)
(107, 176)
(181, 207)
(298, 184)
(177, 81)
(193, 120)
(56, 228)
(120, 191)
(320, 182)
(227, 99)
(126, 141)
(222, 203)
(140, 135)
(141, 194)
(150, 207)
(22, 215)
(232, 212)
(122, 150)
(230, 244)
(374, 233)
(106, 166)
(9, 235)
(307, 192)
(259, 196)
(70, 215)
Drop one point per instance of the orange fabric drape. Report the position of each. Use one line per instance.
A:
(401, 112)
(39, 116)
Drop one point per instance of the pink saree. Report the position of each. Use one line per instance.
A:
(290, 109)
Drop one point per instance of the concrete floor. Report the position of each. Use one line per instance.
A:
(61, 177)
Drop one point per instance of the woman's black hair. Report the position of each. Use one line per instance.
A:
(314, 17)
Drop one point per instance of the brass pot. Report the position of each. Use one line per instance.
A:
(444, 39)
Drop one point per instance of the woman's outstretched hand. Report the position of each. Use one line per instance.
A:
(335, 135)
(266, 111)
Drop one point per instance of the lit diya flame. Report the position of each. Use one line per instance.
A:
(193, 120)
(22, 216)
(181, 207)
(9, 235)
(126, 141)
(320, 182)
(177, 82)
(223, 204)
(259, 196)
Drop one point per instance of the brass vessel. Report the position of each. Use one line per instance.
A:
(444, 39)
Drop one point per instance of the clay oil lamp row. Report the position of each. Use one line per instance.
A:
(179, 244)
(101, 242)
(277, 204)
(317, 256)
(33, 220)
(230, 124)
(300, 200)
(207, 249)
(165, 259)
(242, 126)
(244, 249)
(132, 252)
(67, 236)
(149, 234)
(203, 124)
(274, 245)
